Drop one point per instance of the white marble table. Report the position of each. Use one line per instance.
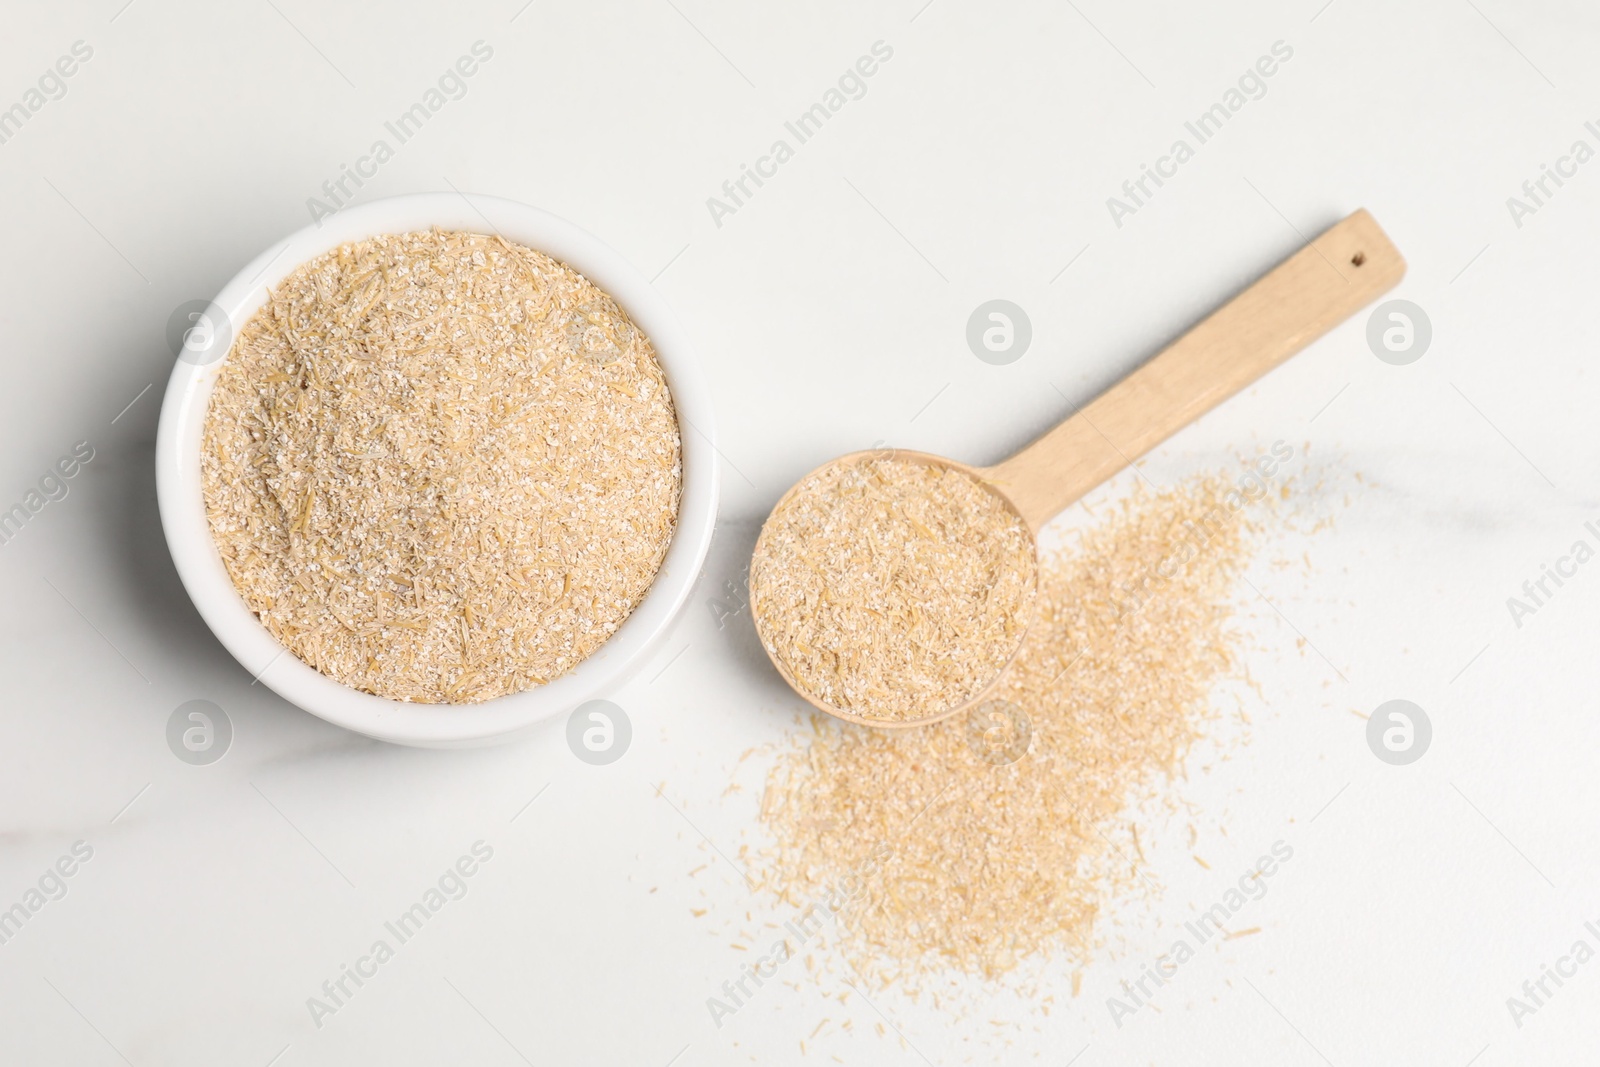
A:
(207, 905)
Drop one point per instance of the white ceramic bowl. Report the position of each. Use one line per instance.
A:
(434, 725)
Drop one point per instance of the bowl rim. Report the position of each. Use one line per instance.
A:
(199, 563)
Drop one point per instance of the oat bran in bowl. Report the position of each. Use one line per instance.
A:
(454, 454)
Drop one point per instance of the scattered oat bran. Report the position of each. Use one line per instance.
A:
(892, 588)
(992, 865)
(441, 467)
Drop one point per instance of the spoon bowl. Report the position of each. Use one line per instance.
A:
(853, 459)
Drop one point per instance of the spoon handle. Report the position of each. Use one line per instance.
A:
(1304, 297)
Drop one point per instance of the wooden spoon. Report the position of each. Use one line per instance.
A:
(1305, 296)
